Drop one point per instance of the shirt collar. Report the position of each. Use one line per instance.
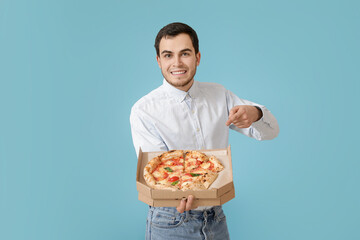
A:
(179, 94)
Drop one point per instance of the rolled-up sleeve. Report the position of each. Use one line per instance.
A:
(266, 128)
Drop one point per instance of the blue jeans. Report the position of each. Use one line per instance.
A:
(168, 224)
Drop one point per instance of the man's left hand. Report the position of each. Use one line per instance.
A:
(186, 204)
(242, 116)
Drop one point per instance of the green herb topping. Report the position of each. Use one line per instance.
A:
(195, 174)
(168, 169)
(174, 183)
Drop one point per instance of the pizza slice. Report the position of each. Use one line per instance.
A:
(197, 181)
(164, 171)
(213, 164)
(193, 160)
(173, 161)
(200, 170)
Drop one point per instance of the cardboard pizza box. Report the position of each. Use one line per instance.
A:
(197, 201)
(221, 190)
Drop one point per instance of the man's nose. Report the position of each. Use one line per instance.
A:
(177, 61)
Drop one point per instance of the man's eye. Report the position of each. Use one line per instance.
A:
(185, 54)
(167, 55)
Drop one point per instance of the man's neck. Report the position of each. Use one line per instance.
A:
(186, 87)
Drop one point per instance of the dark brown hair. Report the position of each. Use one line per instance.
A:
(174, 29)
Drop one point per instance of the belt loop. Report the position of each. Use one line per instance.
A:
(152, 209)
(205, 214)
(218, 211)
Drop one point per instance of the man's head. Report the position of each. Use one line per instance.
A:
(177, 49)
(174, 29)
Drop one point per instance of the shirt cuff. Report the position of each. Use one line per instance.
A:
(263, 120)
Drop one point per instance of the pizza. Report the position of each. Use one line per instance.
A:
(182, 170)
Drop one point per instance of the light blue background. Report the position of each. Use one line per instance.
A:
(71, 70)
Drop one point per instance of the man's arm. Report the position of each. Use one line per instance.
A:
(251, 119)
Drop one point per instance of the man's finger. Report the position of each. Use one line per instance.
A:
(189, 202)
(233, 117)
(182, 205)
(233, 111)
(230, 120)
(236, 121)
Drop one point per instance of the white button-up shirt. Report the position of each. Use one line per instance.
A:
(168, 118)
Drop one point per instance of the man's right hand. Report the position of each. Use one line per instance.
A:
(242, 116)
(186, 204)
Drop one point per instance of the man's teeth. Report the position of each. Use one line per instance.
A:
(179, 72)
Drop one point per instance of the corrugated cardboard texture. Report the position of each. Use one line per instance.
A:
(198, 201)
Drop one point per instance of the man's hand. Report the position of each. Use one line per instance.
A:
(242, 116)
(186, 204)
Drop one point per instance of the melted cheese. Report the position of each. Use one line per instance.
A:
(177, 168)
(186, 178)
(157, 174)
(205, 165)
(164, 182)
(200, 171)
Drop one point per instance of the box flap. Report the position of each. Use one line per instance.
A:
(168, 194)
(198, 201)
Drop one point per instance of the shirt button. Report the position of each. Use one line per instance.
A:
(197, 129)
(193, 111)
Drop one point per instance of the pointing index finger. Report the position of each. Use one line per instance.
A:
(230, 120)
(232, 116)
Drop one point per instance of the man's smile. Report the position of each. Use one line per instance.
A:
(178, 72)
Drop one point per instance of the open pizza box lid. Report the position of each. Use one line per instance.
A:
(221, 190)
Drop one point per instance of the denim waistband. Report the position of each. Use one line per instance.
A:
(212, 212)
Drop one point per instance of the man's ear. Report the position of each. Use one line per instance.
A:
(158, 61)
(198, 56)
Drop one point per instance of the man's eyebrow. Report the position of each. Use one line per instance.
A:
(186, 50)
(183, 50)
(166, 51)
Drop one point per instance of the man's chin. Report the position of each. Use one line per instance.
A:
(177, 83)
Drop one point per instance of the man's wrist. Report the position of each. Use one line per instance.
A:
(260, 113)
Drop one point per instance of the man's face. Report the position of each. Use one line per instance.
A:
(178, 60)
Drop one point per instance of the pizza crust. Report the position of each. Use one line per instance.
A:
(149, 169)
(196, 155)
(209, 178)
(171, 154)
(218, 167)
(197, 185)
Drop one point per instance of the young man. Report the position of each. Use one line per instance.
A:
(186, 114)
